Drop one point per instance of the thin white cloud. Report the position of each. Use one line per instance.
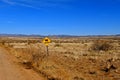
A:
(26, 5)
(8, 2)
(16, 2)
(36, 3)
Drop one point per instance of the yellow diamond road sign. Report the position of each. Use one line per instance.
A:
(46, 41)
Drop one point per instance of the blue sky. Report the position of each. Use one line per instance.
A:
(54, 17)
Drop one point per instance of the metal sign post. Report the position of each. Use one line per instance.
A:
(47, 50)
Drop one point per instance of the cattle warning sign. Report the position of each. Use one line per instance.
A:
(46, 41)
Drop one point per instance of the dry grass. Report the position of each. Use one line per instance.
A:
(101, 45)
(70, 59)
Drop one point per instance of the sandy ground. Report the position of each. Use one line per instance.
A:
(9, 70)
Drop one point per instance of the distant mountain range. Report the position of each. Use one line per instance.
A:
(32, 35)
(18, 35)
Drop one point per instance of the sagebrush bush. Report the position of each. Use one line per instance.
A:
(101, 45)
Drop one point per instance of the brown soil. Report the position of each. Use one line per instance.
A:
(10, 70)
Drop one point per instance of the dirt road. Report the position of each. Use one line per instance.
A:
(9, 70)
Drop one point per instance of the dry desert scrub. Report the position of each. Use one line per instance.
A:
(61, 64)
(53, 67)
(101, 45)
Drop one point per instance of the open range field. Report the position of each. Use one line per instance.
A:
(70, 58)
